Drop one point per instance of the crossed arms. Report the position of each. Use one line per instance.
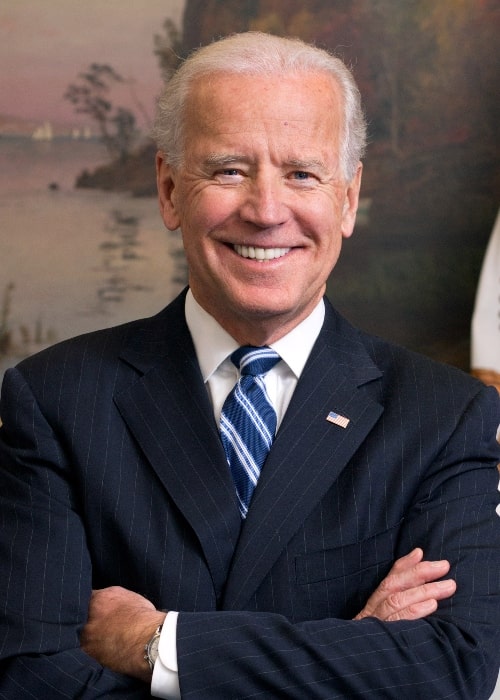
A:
(396, 642)
(121, 622)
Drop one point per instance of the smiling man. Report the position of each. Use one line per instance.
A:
(244, 496)
(261, 198)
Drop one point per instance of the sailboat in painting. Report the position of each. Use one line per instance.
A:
(43, 132)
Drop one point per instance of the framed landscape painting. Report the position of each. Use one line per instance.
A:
(82, 244)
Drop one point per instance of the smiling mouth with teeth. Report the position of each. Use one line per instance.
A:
(260, 254)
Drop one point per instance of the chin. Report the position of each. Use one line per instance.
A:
(262, 300)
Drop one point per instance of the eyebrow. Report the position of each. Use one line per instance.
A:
(312, 164)
(220, 159)
(224, 159)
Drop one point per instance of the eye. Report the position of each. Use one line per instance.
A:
(228, 176)
(303, 178)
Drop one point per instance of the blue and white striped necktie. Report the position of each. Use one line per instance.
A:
(248, 420)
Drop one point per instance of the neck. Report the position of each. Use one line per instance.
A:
(257, 329)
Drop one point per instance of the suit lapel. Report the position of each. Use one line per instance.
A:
(168, 412)
(308, 454)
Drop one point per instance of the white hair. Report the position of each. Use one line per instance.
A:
(257, 53)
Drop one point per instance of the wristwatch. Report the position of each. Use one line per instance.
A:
(151, 648)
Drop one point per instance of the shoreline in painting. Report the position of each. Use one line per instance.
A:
(74, 260)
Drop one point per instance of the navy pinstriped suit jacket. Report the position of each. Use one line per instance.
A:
(112, 472)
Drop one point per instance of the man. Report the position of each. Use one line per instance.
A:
(114, 475)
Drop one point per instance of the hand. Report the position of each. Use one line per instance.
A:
(120, 623)
(410, 591)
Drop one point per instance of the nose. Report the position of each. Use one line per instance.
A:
(264, 203)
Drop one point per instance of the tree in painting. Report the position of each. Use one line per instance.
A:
(91, 96)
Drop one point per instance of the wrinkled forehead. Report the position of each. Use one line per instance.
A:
(300, 97)
(255, 119)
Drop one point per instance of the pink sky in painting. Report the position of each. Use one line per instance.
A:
(44, 44)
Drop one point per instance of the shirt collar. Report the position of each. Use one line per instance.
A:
(213, 344)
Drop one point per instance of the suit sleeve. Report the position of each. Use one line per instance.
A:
(453, 653)
(45, 581)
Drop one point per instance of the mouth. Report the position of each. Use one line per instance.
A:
(260, 254)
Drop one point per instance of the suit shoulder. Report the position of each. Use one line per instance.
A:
(91, 353)
(403, 366)
(393, 360)
(77, 347)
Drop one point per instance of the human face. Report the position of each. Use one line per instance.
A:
(260, 198)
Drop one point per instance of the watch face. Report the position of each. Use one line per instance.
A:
(153, 649)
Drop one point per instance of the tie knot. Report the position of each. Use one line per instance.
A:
(254, 361)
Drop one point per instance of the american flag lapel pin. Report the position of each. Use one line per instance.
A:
(337, 419)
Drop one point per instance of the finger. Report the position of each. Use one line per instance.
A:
(415, 612)
(408, 572)
(417, 575)
(416, 602)
(411, 568)
(408, 561)
(398, 590)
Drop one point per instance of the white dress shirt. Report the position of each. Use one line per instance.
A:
(214, 347)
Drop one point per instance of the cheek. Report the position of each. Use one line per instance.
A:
(322, 215)
(207, 211)
(328, 248)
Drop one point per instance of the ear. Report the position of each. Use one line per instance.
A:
(166, 182)
(351, 202)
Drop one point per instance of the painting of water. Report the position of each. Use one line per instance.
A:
(72, 260)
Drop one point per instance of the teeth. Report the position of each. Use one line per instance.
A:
(261, 254)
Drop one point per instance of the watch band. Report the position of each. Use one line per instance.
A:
(151, 648)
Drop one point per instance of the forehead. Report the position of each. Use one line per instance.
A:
(224, 103)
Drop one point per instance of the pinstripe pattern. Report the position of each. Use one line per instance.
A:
(248, 421)
(112, 473)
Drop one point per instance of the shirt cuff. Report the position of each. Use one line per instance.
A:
(165, 681)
